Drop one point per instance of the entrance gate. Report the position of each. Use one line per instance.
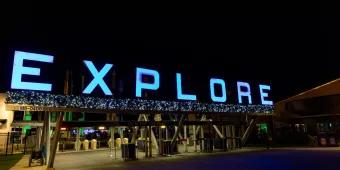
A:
(194, 125)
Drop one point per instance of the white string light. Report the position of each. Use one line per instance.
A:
(88, 102)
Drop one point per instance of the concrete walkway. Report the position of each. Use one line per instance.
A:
(23, 165)
(70, 160)
(95, 159)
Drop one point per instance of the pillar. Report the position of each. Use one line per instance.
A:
(194, 137)
(202, 138)
(186, 139)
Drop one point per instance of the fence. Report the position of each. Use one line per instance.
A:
(13, 143)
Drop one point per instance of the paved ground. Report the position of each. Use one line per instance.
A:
(288, 158)
(23, 165)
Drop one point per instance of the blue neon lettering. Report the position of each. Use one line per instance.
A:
(180, 94)
(264, 94)
(141, 85)
(97, 78)
(243, 93)
(19, 70)
(213, 96)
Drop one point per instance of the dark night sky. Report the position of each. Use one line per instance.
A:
(292, 53)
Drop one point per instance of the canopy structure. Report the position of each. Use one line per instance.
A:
(320, 101)
(34, 101)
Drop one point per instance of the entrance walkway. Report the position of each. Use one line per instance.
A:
(23, 165)
(103, 157)
(97, 159)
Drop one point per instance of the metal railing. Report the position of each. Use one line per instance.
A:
(12, 143)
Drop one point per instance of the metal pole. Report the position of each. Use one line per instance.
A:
(48, 136)
(25, 145)
(173, 141)
(112, 139)
(55, 139)
(166, 133)
(146, 141)
(186, 139)
(12, 137)
(78, 143)
(218, 132)
(150, 142)
(234, 135)
(135, 132)
(227, 136)
(7, 143)
(159, 140)
(202, 138)
(194, 138)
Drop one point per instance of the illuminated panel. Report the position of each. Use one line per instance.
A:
(180, 94)
(97, 78)
(141, 85)
(19, 70)
(264, 94)
(213, 96)
(243, 93)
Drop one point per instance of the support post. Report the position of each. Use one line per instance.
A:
(48, 136)
(166, 133)
(248, 131)
(218, 132)
(160, 140)
(173, 141)
(55, 139)
(227, 136)
(233, 135)
(78, 143)
(12, 137)
(150, 142)
(112, 142)
(202, 138)
(39, 135)
(146, 141)
(7, 142)
(135, 132)
(186, 139)
(194, 137)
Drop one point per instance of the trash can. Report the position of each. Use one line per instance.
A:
(118, 142)
(220, 144)
(94, 144)
(208, 145)
(128, 151)
(332, 141)
(141, 145)
(86, 144)
(125, 141)
(166, 148)
(323, 141)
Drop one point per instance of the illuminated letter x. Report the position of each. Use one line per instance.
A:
(97, 78)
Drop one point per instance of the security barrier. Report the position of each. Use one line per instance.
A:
(128, 151)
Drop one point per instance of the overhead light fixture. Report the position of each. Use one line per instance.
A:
(101, 127)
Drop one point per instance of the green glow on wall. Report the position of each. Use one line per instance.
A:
(263, 127)
(27, 117)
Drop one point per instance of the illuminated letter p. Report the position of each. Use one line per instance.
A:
(141, 85)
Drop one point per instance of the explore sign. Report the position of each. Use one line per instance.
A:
(19, 70)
